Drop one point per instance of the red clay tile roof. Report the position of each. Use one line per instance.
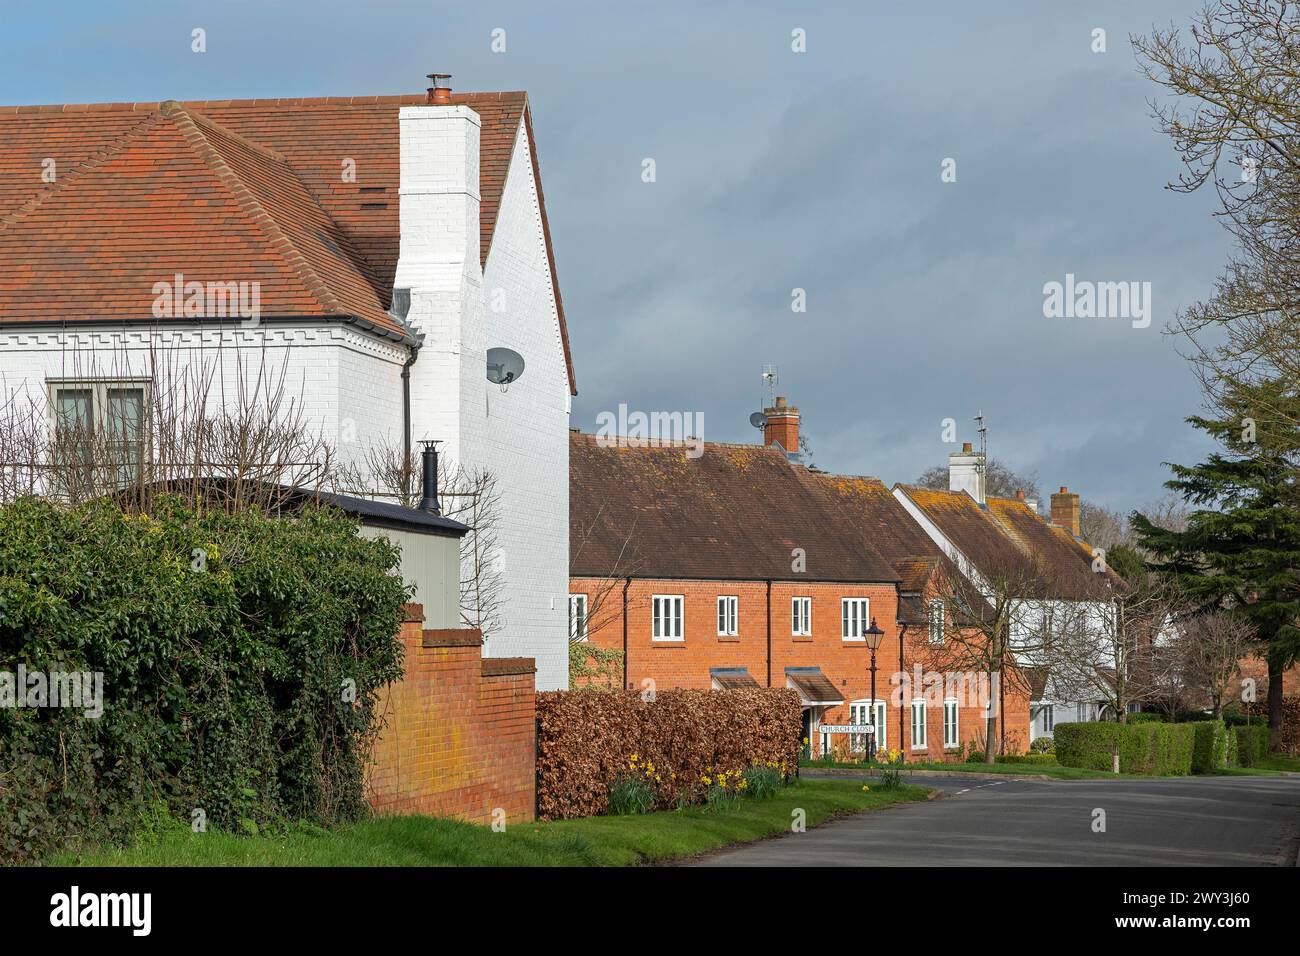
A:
(880, 522)
(1042, 552)
(734, 513)
(283, 152)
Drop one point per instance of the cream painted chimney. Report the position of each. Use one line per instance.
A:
(966, 472)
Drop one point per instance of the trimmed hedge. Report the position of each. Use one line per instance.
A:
(1210, 750)
(586, 740)
(1252, 744)
(1146, 748)
(241, 656)
(1290, 721)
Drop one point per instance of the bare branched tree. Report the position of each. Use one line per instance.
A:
(993, 631)
(1120, 653)
(1000, 481)
(468, 495)
(1210, 648)
(1234, 118)
(220, 429)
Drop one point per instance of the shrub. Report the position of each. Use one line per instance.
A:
(629, 794)
(1146, 748)
(1042, 745)
(224, 641)
(1252, 744)
(1147, 717)
(1290, 743)
(1210, 749)
(586, 740)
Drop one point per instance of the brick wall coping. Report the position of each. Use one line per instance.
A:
(504, 666)
(453, 637)
(412, 613)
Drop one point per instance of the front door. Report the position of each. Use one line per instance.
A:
(805, 719)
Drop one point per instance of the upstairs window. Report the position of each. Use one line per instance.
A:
(727, 616)
(936, 621)
(801, 617)
(99, 433)
(577, 617)
(853, 618)
(666, 617)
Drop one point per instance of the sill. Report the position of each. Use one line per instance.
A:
(921, 749)
(801, 638)
(854, 640)
(728, 639)
(667, 641)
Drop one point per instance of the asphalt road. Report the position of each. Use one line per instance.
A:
(1189, 821)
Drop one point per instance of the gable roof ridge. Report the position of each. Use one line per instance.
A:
(202, 119)
(372, 99)
(95, 159)
(251, 206)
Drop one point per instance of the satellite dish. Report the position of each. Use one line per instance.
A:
(504, 366)
(758, 420)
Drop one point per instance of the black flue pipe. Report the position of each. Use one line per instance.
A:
(429, 502)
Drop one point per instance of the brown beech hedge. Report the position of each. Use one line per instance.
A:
(587, 739)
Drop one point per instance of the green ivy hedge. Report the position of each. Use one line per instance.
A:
(241, 657)
(1146, 748)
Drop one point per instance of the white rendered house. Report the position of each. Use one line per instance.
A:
(148, 246)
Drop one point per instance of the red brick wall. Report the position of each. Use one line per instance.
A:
(1256, 668)
(460, 738)
(686, 663)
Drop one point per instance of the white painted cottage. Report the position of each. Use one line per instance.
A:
(150, 244)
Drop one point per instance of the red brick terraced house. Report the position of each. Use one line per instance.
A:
(741, 567)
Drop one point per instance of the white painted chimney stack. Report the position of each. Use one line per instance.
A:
(966, 472)
(439, 263)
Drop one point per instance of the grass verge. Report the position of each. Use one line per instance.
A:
(1265, 767)
(427, 841)
(1053, 770)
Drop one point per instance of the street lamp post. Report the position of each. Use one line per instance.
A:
(874, 636)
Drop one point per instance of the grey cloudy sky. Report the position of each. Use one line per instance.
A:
(778, 170)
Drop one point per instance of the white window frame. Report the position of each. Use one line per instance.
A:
(1049, 718)
(99, 389)
(728, 615)
(576, 600)
(801, 617)
(937, 621)
(860, 709)
(662, 607)
(919, 730)
(951, 707)
(851, 622)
